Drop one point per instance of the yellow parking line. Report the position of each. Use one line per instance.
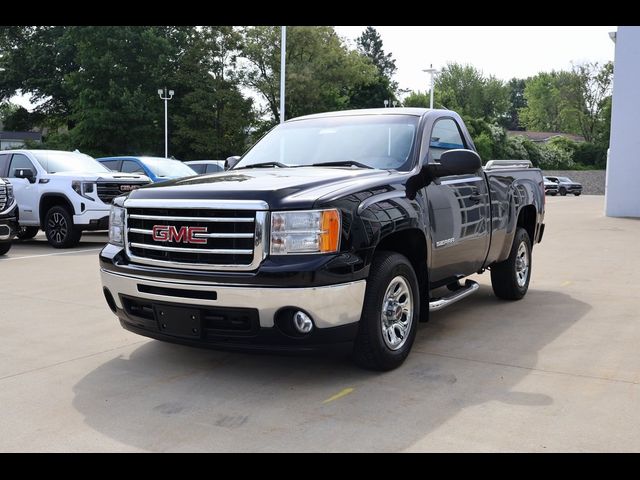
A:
(51, 254)
(340, 394)
(565, 283)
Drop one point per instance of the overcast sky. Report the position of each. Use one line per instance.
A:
(505, 52)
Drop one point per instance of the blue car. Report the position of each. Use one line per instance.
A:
(158, 169)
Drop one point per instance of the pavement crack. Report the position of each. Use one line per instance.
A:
(502, 364)
(62, 362)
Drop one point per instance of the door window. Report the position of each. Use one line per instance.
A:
(19, 161)
(445, 136)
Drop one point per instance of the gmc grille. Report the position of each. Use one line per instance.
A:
(3, 197)
(229, 238)
(107, 191)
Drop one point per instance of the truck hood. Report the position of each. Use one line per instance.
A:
(107, 176)
(297, 187)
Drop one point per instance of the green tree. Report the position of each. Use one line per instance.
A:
(517, 102)
(36, 61)
(465, 89)
(416, 99)
(101, 82)
(321, 73)
(589, 97)
(383, 88)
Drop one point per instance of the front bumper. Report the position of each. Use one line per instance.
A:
(92, 220)
(8, 222)
(335, 310)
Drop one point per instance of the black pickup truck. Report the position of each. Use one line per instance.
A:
(345, 226)
(8, 216)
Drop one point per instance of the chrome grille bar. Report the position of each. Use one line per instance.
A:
(218, 251)
(198, 235)
(192, 219)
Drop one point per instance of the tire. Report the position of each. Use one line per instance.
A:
(5, 247)
(577, 194)
(59, 228)
(378, 345)
(553, 194)
(27, 233)
(507, 277)
(563, 192)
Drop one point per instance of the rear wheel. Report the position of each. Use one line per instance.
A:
(577, 194)
(510, 278)
(27, 233)
(563, 191)
(390, 315)
(59, 228)
(5, 247)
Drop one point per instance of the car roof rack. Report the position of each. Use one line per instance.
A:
(494, 164)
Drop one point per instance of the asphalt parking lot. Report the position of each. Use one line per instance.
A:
(557, 371)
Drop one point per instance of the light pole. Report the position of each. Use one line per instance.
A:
(283, 50)
(166, 131)
(433, 72)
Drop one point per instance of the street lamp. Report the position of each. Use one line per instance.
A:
(166, 133)
(433, 72)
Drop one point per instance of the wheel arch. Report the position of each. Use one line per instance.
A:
(49, 200)
(411, 243)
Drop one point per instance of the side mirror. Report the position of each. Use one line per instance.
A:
(25, 173)
(456, 162)
(452, 162)
(231, 162)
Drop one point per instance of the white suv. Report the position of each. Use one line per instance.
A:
(63, 193)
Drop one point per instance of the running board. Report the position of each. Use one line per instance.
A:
(469, 287)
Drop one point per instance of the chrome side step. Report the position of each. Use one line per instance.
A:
(469, 287)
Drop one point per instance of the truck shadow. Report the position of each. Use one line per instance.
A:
(165, 397)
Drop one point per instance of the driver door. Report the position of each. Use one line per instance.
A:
(26, 193)
(458, 210)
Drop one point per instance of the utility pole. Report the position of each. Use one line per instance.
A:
(433, 72)
(283, 49)
(166, 129)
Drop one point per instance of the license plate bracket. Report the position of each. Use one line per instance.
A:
(178, 321)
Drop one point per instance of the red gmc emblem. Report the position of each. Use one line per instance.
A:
(169, 233)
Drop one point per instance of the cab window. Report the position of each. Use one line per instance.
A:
(445, 135)
(19, 161)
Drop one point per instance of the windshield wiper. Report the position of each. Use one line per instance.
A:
(265, 164)
(346, 163)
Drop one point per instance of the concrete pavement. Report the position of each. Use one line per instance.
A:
(557, 371)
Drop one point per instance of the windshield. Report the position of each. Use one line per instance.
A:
(564, 179)
(54, 162)
(377, 141)
(165, 167)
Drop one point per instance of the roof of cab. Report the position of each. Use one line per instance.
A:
(414, 111)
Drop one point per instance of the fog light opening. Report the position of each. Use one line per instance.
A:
(302, 322)
(110, 300)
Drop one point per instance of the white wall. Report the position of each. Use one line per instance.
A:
(623, 167)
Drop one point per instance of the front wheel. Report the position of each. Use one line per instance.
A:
(5, 247)
(510, 278)
(563, 192)
(390, 315)
(577, 194)
(59, 228)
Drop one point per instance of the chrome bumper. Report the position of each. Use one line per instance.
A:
(329, 306)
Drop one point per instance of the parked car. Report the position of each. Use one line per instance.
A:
(383, 207)
(8, 215)
(550, 188)
(63, 193)
(207, 166)
(158, 169)
(566, 185)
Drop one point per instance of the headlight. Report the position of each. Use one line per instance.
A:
(116, 226)
(82, 188)
(313, 231)
(9, 188)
